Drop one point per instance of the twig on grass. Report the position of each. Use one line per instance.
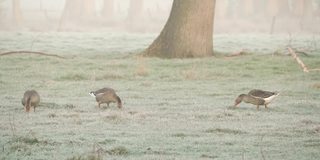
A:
(299, 61)
(261, 151)
(98, 151)
(12, 125)
(315, 69)
(32, 52)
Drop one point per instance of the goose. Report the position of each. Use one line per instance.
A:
(257, 97)
(30, 98)
(106, 95)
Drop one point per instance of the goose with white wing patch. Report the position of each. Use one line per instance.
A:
(106, 95)
(257, 97)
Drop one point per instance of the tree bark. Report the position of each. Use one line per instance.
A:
(188, 32)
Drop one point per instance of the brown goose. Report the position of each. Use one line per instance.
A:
(257, 97)
(106, 95)
(30, 98)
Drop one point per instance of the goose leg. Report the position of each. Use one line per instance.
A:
(258, 107)
(99, 104)
(265, 106)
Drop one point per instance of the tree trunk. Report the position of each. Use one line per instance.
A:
(278, 8)
(284, 8)
(272, 8)
(108, 10)
(259, 8)
(188, 31)
(88, 9)
(77, 12)
(135, 10)
(302, 8)
(248, 7)
(17, 14)
(70, 11)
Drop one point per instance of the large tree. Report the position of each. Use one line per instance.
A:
(188, 31)
(77, 12)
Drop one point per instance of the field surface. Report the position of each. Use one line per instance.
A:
(173, 109)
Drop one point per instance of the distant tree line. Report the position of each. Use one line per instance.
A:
(270, 8)
(101, 13)
(137, 15)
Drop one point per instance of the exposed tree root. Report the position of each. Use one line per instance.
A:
(32, 52)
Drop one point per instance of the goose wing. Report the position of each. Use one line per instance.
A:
(261, 93)
(103, 90)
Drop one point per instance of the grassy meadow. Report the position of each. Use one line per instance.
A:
(173, 108)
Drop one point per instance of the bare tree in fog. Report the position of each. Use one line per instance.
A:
(188, 31)
(248, 7)
(135, 11)
(276, 9)
(108, 10)
(317, 11)
(1, 11)
(17, 14)
(302, 8)
(89, 9)
(77, 12)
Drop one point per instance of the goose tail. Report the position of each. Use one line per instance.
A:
(92, 94)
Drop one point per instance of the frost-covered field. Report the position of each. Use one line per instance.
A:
(173, 109)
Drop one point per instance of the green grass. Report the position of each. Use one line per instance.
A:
(173, 109)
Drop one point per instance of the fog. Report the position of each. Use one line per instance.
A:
(141, 16)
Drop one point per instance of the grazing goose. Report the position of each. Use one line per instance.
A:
(257, 97)
(30, 98)
(106, 95)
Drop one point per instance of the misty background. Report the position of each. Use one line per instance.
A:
(141, 16)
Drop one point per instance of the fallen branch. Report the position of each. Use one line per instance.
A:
(31, 52)
(299, 61)
(315, 69)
